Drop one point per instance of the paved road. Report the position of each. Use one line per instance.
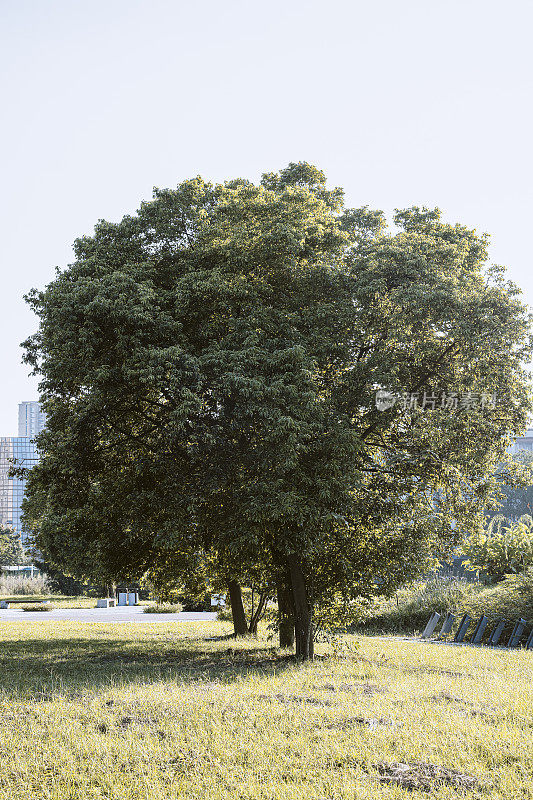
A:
(121, 614)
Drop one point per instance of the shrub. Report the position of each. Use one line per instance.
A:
(163, 608)
(511, 598)
(37, 607)
(339, 615)
(408, 610)
(23, 585)
(224, 613)
(523, 583)
(502, 549)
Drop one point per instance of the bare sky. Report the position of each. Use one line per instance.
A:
(419, 102)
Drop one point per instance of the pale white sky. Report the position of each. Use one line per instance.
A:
(402, 103)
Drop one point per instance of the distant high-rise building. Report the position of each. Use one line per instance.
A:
(18, 451)
(31, 418)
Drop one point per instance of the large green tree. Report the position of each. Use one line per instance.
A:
(209, 368)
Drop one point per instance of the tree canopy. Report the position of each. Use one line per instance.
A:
(209, 369)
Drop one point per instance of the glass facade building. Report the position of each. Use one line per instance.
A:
(17, 451)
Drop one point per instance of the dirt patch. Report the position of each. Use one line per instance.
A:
(366, 688)
(371, 688)
(125, 722)
(351, 722)
(447, 672)
(285, 698)
(467, 706)
(426, 777)
(447, 698)
(330, 687)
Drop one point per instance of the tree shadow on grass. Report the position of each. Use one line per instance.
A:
(71, 665)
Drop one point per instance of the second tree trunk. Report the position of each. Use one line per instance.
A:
(286, 611)
(240, 626)
(303, 614)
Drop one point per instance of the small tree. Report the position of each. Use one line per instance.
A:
(11, 551)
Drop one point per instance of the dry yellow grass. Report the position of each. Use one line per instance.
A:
(162, 710)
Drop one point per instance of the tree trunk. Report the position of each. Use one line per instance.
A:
(286, 611)
(240, 626)
(303, 613)
(258, 613)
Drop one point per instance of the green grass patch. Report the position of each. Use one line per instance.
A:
(59, 600)
(163, 608)
(181, 710)
(37, 607)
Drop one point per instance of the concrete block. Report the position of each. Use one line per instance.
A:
(463, 627)
(106, 602)
(518, 630)
(447, 625)
(480, 629)
(430, 627)
(497, 632)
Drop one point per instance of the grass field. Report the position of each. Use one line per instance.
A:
(166, 711)
(58, 600)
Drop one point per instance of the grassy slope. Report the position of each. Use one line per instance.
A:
(411, 608)
(158, 711)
